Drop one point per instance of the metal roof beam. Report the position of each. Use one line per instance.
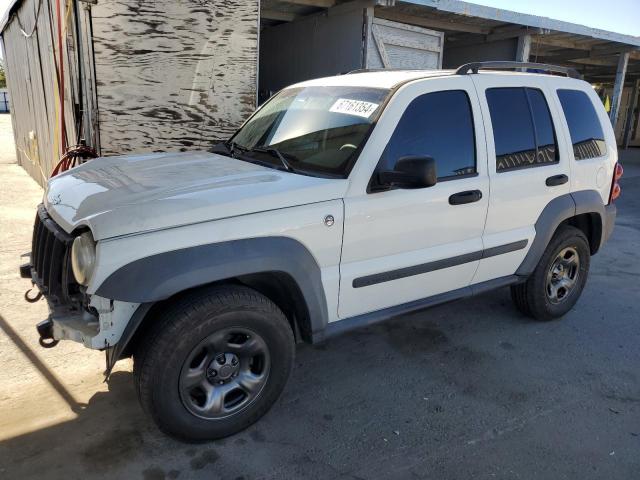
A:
(277, 16)
(430, 22)
(605, 62)
(312, 3)
(512, 31)
(610, 71)
(565, 54)
(554, 41)
(611, 49)
(463, 40)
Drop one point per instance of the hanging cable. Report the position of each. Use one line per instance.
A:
(76, 155)
(63, 132)
(35, 23)
(80, 153)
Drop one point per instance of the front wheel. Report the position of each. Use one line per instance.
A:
(556, 284)
(214, 363)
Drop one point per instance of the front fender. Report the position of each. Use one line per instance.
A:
(158, 277)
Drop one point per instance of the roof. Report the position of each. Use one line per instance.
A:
(391, 78)
(507, 16)
(373, 79)
(594, 52)
(458, 7)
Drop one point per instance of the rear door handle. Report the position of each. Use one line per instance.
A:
(557, 180)
(461, 198)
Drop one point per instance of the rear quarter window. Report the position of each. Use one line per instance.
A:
(585, 129)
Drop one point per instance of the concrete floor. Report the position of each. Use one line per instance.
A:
(466, 390)
(7, 147)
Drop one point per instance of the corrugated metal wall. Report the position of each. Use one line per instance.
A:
(173, 75)
(140, 76)
(28, 48)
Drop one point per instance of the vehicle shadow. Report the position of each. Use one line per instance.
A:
(367, 384)
(39, 365)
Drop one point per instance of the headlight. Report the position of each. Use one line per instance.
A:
(83, 257)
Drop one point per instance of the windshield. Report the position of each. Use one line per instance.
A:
(317, 129)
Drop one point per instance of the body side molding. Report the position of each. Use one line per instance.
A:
(388, 276)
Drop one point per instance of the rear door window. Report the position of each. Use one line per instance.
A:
(546, 144)
(586, 132)
(523, 130)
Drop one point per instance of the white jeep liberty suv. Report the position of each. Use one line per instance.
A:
(341, 202)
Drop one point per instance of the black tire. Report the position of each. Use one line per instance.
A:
(160, 360)
(533, 297)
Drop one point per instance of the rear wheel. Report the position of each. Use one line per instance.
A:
(214, 363)
(559, 278)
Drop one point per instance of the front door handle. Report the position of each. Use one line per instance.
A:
(557, 180)
(461, 198)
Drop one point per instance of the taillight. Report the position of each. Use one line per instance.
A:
(615, 186)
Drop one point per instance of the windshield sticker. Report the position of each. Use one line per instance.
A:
(354, 107)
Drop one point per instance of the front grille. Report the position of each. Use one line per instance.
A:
(50, 259)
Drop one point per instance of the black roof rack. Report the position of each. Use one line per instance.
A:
(497, 65)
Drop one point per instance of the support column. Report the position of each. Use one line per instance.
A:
(631, 114)
(524, 48)
(623, 61)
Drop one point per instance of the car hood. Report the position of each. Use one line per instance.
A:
(137, 193)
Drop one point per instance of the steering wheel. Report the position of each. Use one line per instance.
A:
(348, 145)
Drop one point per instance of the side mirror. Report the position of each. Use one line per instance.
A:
(411, 172)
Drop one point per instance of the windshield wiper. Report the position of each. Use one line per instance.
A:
(276, 153)
(226, 148)
(233, 146)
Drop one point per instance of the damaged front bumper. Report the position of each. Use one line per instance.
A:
(98, 327)
(96, 322)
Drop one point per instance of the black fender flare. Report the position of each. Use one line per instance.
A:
(160, 276)
(557, 211)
